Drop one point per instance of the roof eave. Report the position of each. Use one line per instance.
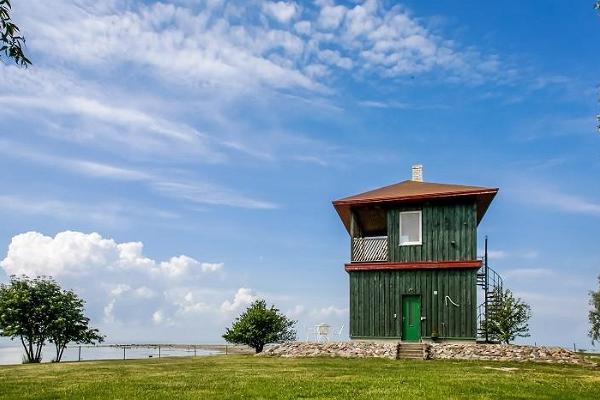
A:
(352, 202)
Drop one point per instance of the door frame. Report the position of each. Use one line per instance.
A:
(402, 331)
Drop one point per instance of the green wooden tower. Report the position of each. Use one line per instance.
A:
(414, 268)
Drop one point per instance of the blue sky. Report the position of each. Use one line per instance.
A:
(171, 161)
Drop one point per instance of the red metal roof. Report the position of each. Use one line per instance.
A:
(414, 191)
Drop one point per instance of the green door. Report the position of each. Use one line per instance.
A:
(411, 318)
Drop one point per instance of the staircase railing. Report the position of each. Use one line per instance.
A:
(491, 282)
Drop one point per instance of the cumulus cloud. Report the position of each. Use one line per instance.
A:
(282, 11)
(77, 253)
(243, 297)
(211, 267)
(129, 293)
(296, 311)
(120, 282)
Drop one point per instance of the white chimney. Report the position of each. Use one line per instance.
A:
(417, 173)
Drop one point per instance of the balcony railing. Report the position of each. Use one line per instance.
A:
(365, 249)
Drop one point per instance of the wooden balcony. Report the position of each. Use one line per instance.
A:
(369, 249)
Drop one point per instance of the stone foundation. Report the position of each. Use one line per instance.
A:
(333, 349)
(502, 352)
(389, 350)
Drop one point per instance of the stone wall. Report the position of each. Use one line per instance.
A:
(500, 352)
(389, 350)
(333, 349)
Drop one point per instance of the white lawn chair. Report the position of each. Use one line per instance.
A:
(338, 333)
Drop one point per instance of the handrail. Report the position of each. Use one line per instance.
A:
(492, 283)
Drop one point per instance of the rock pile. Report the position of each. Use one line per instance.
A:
(499, 352)
(333, 349)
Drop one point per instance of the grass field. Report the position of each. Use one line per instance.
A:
(237, 377)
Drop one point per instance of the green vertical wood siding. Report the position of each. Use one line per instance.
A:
(375, 296)
(449, 233)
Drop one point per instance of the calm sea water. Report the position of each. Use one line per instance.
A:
(14, 354)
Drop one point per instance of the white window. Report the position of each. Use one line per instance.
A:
(410, 228)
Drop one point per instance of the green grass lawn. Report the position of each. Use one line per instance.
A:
(237, 377)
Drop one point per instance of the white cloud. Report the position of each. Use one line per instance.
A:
(173, 42)
(569, 203)
(530, 254)
(243, 297)
(191, 302)
(52, 208)
(333, 57)
(119, 290)
(108, 311)
(297, 311)
(123, 287)
(282, 11)
(211, 267)
(144, 292)
(84, 167)
(528, 273)
(195, 192)
(100, 214)
(558, 200)
(331, 17)
(209, 194)
(189, 65)
(211, 47)
(180, 266)
(497, 254)
(76, 254)
(388, 104)
(88, 118)
(303, 27)
(514, 254)
(157, 317)
(127, 291)
(330, 311)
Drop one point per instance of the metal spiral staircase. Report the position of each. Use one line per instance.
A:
(491, 283)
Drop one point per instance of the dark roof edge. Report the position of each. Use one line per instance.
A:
(474, 192)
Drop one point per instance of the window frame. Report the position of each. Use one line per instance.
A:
(418, 243)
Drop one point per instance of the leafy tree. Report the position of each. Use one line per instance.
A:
(507, 317)
(259, 325)
(38, 310)
(70, 325)
(11, 43)
(25, 306)
(595, 314)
